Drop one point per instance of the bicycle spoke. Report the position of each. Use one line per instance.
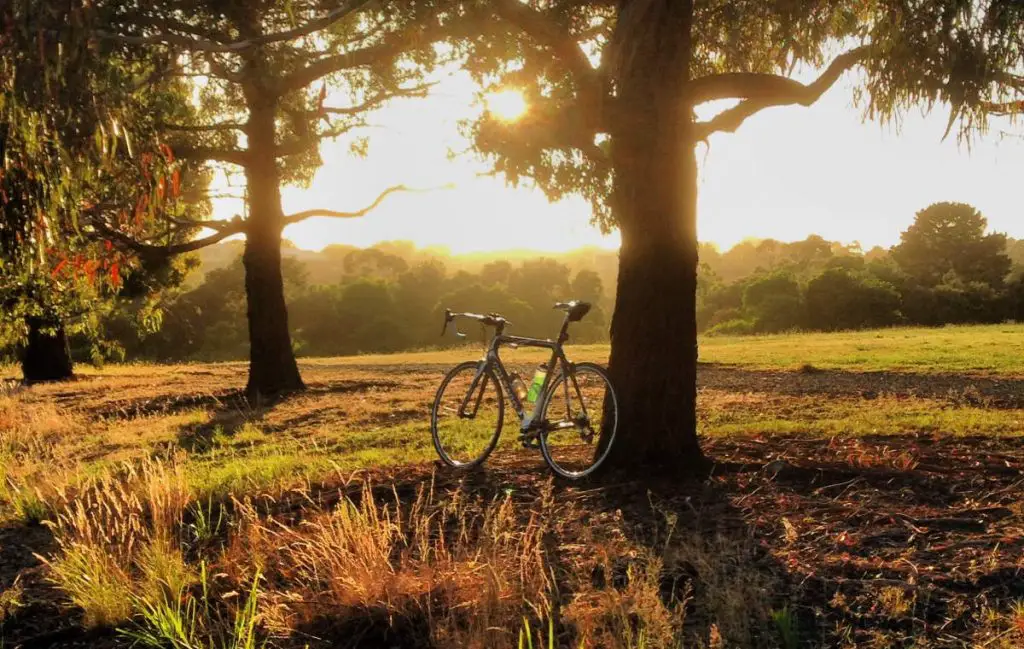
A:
(573, 451)
(467, 416)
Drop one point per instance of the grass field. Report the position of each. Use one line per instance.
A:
(868, 493)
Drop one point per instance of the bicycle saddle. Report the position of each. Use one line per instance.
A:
(575, 309)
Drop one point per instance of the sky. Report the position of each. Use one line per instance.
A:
(786, 173)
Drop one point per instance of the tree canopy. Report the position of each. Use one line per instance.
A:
(76, 131)
(950, 238)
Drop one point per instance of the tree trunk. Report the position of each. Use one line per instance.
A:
(47, 356)
(653, 362)
(272, 366)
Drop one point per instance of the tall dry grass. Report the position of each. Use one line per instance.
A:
(452, 567)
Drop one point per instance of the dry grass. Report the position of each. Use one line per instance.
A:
(457, 567)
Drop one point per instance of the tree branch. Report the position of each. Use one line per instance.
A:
(118, 238)
(763, 91)
(238, 157)
(538, 27)
(320, 68)
(302, 216)
(203, 128)
(214, 46)
(1007, 108)
(380, 98)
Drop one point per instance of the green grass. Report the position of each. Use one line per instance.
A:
(990, 349)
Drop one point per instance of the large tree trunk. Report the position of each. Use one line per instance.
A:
(46, 356)
(653, 361)
(272, 366)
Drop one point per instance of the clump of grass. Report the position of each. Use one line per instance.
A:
(183, 620)
(785, 625)
(1017, 619)
(10, 601)
(462, 559)
(94, 581)
(119, 534)
(207, 522)
(894, 601)
(29, 506)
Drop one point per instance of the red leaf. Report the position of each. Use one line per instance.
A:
(115, 275)
(168, 154)
(176, 183)
(59, 267)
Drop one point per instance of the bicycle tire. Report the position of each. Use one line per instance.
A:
(442, 453)
(550, 395)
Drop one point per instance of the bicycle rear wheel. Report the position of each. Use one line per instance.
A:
(466, 419)
(580, 407)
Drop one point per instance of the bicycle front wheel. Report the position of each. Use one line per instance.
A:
(465, 422)
(580, 408)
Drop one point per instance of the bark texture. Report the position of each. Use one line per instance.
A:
(272, 367)
(653, 362)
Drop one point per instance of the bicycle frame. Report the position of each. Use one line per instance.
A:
(492, 361)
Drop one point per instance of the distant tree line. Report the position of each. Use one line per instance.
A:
(945, 270)
(378, 301)
(346, 300)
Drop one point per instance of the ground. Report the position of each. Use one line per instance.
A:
(867, 491)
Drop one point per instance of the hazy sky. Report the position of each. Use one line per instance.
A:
(786, 173)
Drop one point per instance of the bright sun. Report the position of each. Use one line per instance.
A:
(508, 105)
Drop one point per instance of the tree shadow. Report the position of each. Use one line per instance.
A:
(223, 424)
(169, 404)
(1001, 392)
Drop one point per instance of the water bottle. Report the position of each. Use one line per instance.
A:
(518, 386)
(537, 383)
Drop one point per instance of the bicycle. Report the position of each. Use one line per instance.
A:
(469, 407)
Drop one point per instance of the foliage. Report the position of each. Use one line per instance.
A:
(75, 132)
(389, 298)
(840, 299)
(837, 288)
(774, 302)
(950, 238)
(379, 311)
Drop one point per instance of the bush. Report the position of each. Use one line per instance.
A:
(774, 303)
(957, 302)
(736, 327)
(840, 299)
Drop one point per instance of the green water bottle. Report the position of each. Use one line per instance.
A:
(537, 383)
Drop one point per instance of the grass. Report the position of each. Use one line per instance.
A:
(187, 518)
(991, 349)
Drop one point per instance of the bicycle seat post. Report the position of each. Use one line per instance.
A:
(563, 335)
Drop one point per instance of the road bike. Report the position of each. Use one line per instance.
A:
(570, 410)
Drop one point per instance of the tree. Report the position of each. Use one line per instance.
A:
(950, 238)
(267, 65)
(66, 108)
(613, 87)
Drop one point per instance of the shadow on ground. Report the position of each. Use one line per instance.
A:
(961, 389)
